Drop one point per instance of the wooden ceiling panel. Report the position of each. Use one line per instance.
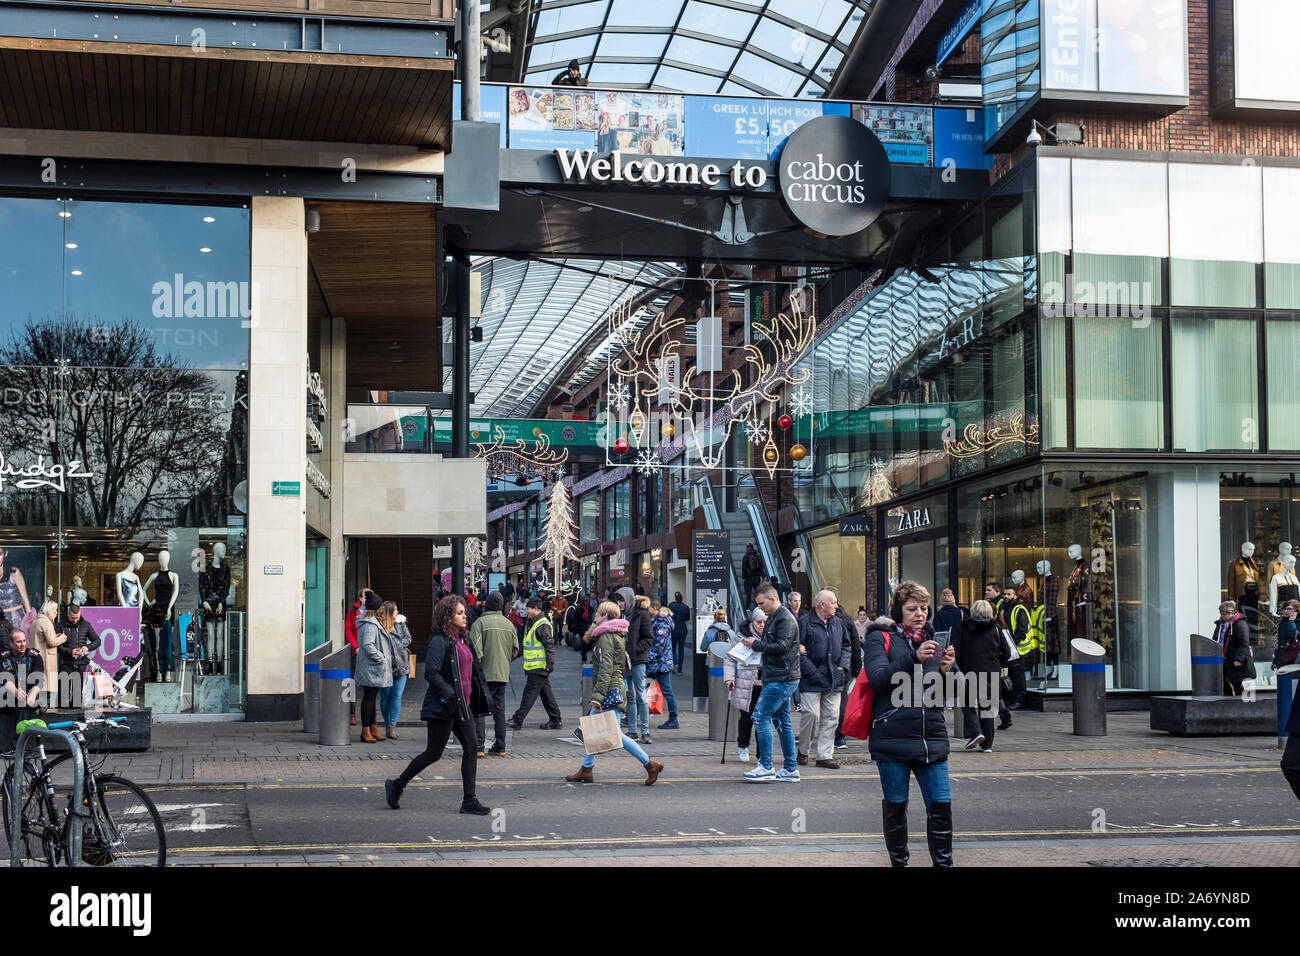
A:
(131, 88)
(377, 268)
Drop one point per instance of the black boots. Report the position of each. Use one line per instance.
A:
(938, 833)
(895, 829)
(393, 793)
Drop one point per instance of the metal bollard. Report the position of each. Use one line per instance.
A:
(1207, 667)
(14, 824)
(335, 676)
(1089, 688)
(311, 688)
(1286, 677)
(588, 678)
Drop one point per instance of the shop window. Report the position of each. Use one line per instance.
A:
(589, 518)
(1216, 231)
(1215, 388)
(838, 562)
(1051, 357)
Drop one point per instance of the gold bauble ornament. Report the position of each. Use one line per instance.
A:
(668, 431)
(798, 453)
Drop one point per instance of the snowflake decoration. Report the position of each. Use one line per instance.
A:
(61, 541)
(756, 432)
(648, 462)
(63, 367)
(619, 395)
(801, 402)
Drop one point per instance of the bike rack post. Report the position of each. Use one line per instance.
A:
(78, 792)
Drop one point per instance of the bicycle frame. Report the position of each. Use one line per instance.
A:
(76, 755)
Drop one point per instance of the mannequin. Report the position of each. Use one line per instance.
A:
(1078, 594)
(1276, 565)
(1017, 578)
(49, 592)
(1244, 581)
(214, 593)
(1283, 586)
(77, 595)
(166, 585)
(1050, 589)
(127, 582)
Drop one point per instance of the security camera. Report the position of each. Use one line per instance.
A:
(1034, 138)
(931, 72)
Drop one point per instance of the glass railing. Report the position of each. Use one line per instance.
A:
(389, 429)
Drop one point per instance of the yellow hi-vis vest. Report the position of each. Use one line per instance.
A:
(1037, 627)
(1027, 645)
(534, 649)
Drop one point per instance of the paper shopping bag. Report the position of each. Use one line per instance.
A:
(600, 732)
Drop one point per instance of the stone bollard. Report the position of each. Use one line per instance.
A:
(1089, 688)
(311, 688)
(1207, 667)
(335, 676)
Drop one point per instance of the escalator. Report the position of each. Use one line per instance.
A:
(748, 525)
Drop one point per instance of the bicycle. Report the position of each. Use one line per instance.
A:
(120, 824)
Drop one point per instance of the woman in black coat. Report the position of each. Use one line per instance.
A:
(981, 655)
(457, 694)
(907, 736)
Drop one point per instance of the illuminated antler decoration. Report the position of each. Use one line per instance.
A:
(521, 457)
(977, 441)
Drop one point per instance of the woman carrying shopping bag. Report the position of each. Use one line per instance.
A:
(607, 641)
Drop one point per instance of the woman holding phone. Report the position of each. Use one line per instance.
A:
(910, 740)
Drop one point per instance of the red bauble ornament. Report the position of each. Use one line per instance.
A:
(621, 446)
(784, 422)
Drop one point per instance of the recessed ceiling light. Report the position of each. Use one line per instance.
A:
(584, 209)
(399, 361)
(70, 245)
(209, 219)
(76, 272)
(205, 249)
(395, 346)
(64, 214)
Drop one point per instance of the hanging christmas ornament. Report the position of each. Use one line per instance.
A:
(668, 430)
(798, 453)
(784, 422)
(621, 446)
(537, 431)
(637, 423)
(771, 457)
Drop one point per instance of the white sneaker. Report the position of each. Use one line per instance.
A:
(788, 776)
(742, 753)
(760, 774)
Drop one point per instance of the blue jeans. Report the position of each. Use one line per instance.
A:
(390, 700)
(630, 745)
(932, 778)
(665, 680)
(637, 705)
(774, 705)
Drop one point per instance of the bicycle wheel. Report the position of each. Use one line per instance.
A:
(40, 839)
(124, 828)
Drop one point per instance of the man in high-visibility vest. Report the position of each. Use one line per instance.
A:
(539, 661)
(1015, 618)
(1037, 631)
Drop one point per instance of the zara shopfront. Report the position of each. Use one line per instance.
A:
(1090, 390)
(124, 370)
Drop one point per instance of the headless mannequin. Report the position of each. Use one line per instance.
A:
(166, 585)
(214, 592)
(1244, 582)
(1284, 585)
(127, 582)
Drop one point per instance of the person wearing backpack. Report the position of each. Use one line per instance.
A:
(659, 662)
(912, 739)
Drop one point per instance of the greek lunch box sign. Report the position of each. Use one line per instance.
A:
(834, 176)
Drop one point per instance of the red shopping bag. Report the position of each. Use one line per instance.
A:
(655, 697)
(857, 712)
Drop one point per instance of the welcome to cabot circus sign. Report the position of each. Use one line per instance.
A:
(833, 174)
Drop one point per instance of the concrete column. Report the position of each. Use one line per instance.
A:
(337, 388)
(277, 525)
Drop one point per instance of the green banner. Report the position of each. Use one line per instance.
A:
(562, 433)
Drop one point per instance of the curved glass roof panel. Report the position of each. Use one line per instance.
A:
(694, 43)
(540, 316)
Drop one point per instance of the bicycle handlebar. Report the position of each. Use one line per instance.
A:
(82, 724)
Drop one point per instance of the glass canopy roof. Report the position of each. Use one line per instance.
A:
(767, 47)
(540, 316)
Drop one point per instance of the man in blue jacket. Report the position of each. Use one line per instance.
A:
(825, 652)
(779, 645)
